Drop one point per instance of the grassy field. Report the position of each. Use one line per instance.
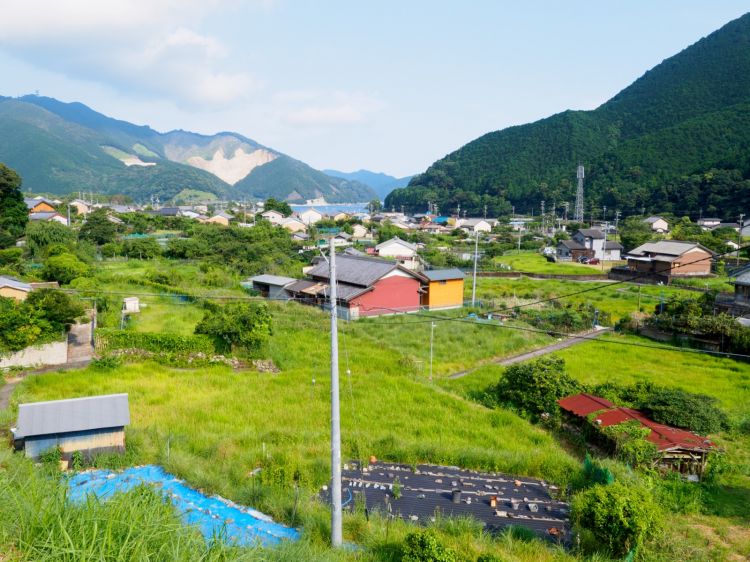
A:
(534, 262)
(618, 299)
(213, 426)
(715, 524)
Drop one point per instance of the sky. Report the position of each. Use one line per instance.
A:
(387, 85)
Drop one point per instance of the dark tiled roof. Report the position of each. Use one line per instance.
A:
(355, 270)
(610, 245)
(571, 245)
(592, 233)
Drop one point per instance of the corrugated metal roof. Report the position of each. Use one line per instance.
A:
(275, 280)
(584, 404)
(663, 436)
(14, 284)
(76, 414)
(355, 270)
(443, 274)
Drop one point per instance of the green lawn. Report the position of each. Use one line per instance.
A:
(534, 262)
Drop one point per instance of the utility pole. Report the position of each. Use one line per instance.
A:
(432, 338)
(474, 282)
(336, 525)
(617, 220)
(739, 238)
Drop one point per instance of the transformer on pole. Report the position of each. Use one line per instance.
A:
(578, 215)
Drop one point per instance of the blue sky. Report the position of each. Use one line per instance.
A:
(389, 85)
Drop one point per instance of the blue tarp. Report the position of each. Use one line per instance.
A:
(214, 516)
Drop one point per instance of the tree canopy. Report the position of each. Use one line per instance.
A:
(13, 213)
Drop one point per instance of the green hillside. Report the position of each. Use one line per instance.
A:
(676, 140)
(62, 147)
(290, 179)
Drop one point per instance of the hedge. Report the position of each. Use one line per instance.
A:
(109, 339)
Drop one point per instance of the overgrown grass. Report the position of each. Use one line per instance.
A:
(534, 262)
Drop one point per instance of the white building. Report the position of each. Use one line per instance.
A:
(310, 216)
(476, 225)
(593, 239)
(657, 224)
(274, 217)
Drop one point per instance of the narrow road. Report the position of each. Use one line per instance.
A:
(557, 346)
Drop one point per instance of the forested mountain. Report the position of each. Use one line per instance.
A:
(676, 140)
(65, 147)
(382, 183)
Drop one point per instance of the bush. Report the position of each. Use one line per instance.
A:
(109, 340)
(59, 309)
(618, 517)
(425, 546)
(241, 325)
(63, 268)
(696, 412)
(535, 386)
(141, 248)
(631, 446)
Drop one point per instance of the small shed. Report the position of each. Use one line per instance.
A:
(91, 425)
(131, 305)
(445, 289)
(272, 286)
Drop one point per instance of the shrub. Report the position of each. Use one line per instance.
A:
(425, 546)
(535, 386)
(63, 268)
(155, 342)
(696, 412)
(59, 309)
(237, 325)
(619, 517)
(631, 445)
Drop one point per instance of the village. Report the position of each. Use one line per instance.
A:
(518, 284)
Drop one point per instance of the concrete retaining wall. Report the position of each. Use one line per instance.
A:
(55, 353)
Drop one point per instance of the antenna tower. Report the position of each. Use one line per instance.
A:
(578, 216)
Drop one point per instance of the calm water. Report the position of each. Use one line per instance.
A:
(334, 208)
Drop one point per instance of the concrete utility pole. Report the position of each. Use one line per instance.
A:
(474, 282)
(739, 238)
(336, 525)
(432, 338)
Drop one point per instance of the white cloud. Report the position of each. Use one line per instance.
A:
(148, 47)
(320, 109)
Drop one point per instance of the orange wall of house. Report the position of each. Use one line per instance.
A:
(42, 208)
(443, 295)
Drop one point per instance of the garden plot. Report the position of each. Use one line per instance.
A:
(424, 492)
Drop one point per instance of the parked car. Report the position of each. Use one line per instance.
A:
(593, 261)
(583, 259)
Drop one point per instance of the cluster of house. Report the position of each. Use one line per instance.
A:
(369, 285)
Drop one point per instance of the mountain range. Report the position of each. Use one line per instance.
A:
(381, 183)
(61, 148)
(676, 140)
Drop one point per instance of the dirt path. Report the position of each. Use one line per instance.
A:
(557, 346)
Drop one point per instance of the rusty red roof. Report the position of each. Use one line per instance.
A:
(584, 404)
(663, 436)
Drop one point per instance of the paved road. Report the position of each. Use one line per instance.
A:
(557, 346)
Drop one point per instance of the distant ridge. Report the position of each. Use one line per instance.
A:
(382, 183)
(62, 147)
(676, 140)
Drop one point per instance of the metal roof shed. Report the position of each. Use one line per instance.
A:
(92, 424)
